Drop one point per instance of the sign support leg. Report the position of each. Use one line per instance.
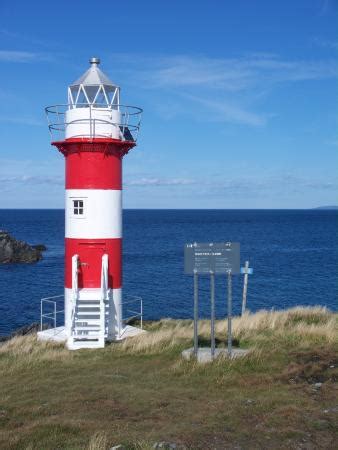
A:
(245, 287)
(212, 322)
(229, 314)
(195, 314)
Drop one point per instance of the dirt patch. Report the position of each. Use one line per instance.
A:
(312, 366)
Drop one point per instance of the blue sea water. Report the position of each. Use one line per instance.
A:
(293, 253)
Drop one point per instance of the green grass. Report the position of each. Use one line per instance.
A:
(140, 392)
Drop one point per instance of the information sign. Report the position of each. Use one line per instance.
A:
(206, 258)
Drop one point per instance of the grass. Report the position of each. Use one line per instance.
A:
(140, 391)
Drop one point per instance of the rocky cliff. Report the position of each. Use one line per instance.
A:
(14, 251)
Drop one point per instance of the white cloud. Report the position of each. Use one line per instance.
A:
(31, 179)
(228, 87)
(153, 181)
(23, 38)
(228, 74)
(224, 111)
(31, 121)
(284, 181)
(14, 56)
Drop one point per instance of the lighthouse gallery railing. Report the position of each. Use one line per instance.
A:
(129, 124)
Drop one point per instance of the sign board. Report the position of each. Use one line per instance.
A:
(218, 258)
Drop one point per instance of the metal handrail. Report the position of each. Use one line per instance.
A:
(51, 315)
(62, 126)
(125, 109)
(104, 292)
(75, 288)
(139, 314)
(130, 119)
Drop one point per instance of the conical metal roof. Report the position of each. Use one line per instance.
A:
(94, 76)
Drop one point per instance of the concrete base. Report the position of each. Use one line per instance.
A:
(59, 335)
(204, 354)
(130, 331)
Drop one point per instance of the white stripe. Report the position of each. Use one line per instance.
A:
(101, 216)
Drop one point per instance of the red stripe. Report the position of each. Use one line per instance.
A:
(105, 145)
(93, 170)
(90, 253)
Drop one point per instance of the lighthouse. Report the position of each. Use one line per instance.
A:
(93, 131)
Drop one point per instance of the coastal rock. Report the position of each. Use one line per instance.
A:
(23, 331)
(165, 445)
(14, 251)
(40, 247)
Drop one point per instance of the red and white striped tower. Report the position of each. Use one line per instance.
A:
(98, 132)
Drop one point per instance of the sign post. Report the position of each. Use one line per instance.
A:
(195, 313)
(247, 271)
(229, 314)
(212, 321)
(212, 259)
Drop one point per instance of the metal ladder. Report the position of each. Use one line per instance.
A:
(88, 311)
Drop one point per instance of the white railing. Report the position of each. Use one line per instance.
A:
(104, 292)
(75, 287)
(75, 270)
(44, 303)
(133, 300)
(129, 124)
(104, 275)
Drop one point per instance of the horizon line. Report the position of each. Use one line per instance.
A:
(187, 209)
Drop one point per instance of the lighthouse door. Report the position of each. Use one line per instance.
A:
(90, 255)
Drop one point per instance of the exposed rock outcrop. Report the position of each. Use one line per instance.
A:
(23, 331)
(14, 251)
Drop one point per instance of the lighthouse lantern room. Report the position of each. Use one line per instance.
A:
(93, 131)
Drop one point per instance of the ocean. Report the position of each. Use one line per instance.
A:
(293, 253)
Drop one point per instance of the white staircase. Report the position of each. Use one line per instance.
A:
(88, 312)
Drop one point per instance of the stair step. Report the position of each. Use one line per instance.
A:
(76, 345)
(88, 328)
(90, 306)
(91, 299)
(86, 337)
(86, 307)
(92, 319)
(88, 321)
(87, 314)
(81, 337)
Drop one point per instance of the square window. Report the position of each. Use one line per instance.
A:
(78, 208)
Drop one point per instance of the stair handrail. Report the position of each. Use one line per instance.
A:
(104, 290)
(75, 287)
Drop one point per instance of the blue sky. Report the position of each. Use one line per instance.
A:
(239, 98)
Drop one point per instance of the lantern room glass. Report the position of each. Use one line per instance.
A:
(95, 89)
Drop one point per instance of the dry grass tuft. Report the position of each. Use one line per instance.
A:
(170, 334)
(23, 350)
(307, 323)
(304, 322)
(301, 318)
(98, 441)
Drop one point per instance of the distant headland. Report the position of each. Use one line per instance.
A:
(326, 207)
